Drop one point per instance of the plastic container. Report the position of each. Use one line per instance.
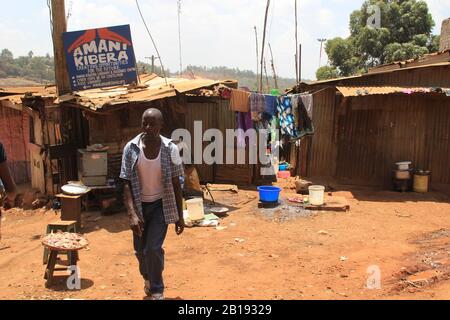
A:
(284, 174)
(283, 166)
(316, 195)
(421, 183)
(403, 174)
(403, 165)
(269, 194)
(195, 209)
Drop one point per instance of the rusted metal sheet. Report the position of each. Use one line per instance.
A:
(436, 75)
(323, 150)
(355, 91)
(359, 139)
(15, 137)
(378, 131)
(150, 89)
(216, 115)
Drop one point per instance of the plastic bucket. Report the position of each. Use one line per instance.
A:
(421, 183)
(269, 194)
(316, 195)
(283, 166)
(195, 209)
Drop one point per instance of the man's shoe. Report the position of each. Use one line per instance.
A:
(147, 288)
(157, 296)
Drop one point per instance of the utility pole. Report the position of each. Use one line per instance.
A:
(257, 59)
(179, 37)
(152, 59)
(267, 77)
(263, 44)
(273, 68)
(296, 45)
(59, 26)
(321, 49)
(299, 63)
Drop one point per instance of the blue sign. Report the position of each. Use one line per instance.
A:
(100, 58)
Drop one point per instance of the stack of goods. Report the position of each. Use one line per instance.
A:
(64, 241)
(403, 176)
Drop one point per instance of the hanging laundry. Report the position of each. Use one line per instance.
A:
(244, 122)
(295, 104)
(307, 100)
(305, 125)
(257, 105)
(287, 121)
(240, 101)
(270, 105)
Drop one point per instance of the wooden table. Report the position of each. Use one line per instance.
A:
(71, 208)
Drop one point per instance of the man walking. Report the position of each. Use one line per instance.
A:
(7, 182)
(151, 168)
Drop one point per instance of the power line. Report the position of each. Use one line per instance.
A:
(153, 41)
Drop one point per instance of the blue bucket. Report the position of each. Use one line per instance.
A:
(269, 194)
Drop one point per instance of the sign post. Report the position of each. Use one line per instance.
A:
(99, 58)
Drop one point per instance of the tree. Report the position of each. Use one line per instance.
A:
(404, 33)
(327, 72)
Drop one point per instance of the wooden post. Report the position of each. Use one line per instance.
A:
(296, 45)
(273, 68)
(267, 78)
(299, 65)
(263, 44)
(59, 26)
(257, 59)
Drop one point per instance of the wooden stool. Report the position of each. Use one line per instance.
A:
(64, 226)
(51, 266)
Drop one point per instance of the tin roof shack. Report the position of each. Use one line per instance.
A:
(54, 134)
(365, 124)
(113, 117)
(15, 134)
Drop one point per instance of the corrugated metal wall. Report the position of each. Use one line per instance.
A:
(15, 137)
(323, 149)
(215, 114)
(374, 132)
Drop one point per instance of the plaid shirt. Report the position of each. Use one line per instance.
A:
(171, 166)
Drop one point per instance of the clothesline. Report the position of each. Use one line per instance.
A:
(289, 113)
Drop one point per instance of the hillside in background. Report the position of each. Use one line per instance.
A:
(31, 69)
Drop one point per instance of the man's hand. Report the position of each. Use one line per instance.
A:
(179, 226)
(137, 226)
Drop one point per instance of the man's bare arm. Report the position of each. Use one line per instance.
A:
(179, 227)
(8, 182)
(136, 223)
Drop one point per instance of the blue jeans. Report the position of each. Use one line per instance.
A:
(148, 249)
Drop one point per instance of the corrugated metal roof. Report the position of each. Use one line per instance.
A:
(151, 88)
(367, 76)
(355, 91)
(426, 60)
(15, 95)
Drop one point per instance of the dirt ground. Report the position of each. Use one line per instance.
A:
(326, 255)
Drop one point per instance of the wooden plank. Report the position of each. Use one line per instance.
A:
(331, 204)
(62, 151)
(37, 168)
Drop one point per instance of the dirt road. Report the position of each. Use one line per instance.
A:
(323, 256)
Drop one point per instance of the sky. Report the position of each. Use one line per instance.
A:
(214, 32)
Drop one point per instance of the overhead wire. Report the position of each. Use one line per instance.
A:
(153, 41)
